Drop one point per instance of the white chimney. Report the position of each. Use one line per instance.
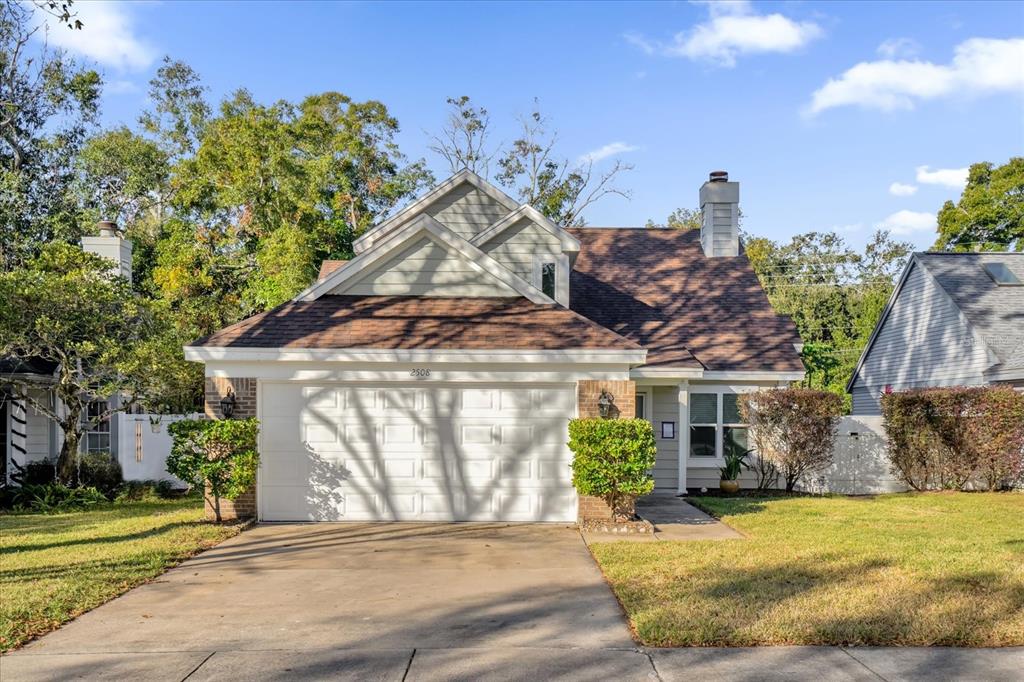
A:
(720, 206)
(112, 246)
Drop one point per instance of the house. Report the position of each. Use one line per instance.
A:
(432, 376)
(138, 442)
(954, 319)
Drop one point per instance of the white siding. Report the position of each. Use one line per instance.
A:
(426, 268)
(924, 341)
(467, 211)
(37, 436)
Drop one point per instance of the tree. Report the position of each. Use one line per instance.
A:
(681, 219)
(612, 459)
(218, 456)
(794, 428)
(529, 167)
(180, 112)
(47, 105)
(990, 213)
(66, 308)
(463, 139)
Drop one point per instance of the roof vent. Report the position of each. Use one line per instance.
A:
(1002, 275)
(718, 176)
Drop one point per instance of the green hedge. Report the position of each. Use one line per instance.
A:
(612, 458)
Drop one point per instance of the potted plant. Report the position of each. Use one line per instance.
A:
(735, 463)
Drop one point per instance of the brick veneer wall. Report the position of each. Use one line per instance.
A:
(245, 406)
(587, 393)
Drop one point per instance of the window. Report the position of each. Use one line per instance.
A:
(734, 431)
(1002, 275)
(715, 418)
(97, 438)
(703, 424)
(547, 279)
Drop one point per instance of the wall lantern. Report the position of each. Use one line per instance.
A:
(605, 404)
(227, 404)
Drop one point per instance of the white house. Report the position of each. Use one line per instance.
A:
(432, 376)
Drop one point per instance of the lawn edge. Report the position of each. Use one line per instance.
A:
(240, 527)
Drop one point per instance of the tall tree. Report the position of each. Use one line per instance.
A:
(990, 213)
(179, 112)
(47, 106)
(463, 139)
(65, 307)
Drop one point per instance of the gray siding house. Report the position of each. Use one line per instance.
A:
(954, 319)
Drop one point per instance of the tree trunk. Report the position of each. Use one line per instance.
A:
(67, 461)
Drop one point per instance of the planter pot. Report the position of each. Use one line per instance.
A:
(729, 486)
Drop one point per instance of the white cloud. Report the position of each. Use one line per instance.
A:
(979, 66)
(611, 149)
(899, 189)
(947, 177)
(107, 37)
(732, 29)
(120, 87)
(899, 48)
(908, 222)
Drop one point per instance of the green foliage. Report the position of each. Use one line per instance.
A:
(65, 307)
(54, 498)
(945, 438)
(794, 428)
(612, 459)
(101, 471)
(144, 491)
(33, 473)
(680, 219)
(834, 294)
(735, 463)
(990, 213)
(219, 455)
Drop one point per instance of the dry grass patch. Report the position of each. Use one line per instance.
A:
(908, 569)
(55, 567)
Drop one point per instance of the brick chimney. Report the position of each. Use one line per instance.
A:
(112, 246)
(720, 205)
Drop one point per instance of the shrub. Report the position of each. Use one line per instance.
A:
(218, 457)
(142, 491)
(101, 471)
(611, 460)
(793, 428)
(943, 438)
(55, 497)
(33, 473)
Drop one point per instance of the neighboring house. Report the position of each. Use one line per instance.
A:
(28, 435)
(954, 319)
(432, 377)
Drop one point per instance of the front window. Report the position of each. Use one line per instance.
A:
(96, 438)
(547, 279)
(641, 404)
(703, 424)
(716, 427)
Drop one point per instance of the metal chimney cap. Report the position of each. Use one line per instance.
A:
(108, 228)
(718, 176)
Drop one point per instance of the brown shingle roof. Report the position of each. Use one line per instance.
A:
(329, 266)
(656, 287)
(413, 322)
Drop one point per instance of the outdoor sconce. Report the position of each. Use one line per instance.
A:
(227, 404)
(605, 403)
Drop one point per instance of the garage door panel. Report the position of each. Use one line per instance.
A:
(416, 452)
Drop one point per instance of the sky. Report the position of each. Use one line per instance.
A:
(831, 115)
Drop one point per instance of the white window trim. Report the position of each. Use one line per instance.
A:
(94, 430)
(718, 391)
(647, 404)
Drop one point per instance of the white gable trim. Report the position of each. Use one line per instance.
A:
(422, 225)
(365, 242)
(568, 242)
(440, 355)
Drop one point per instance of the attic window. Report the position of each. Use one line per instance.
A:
(547, 279)
(1002, 275)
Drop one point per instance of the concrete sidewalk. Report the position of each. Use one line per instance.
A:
(769, 664)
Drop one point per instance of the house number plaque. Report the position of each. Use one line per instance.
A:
(420, 373)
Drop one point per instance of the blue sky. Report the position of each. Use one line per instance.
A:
(839, 116)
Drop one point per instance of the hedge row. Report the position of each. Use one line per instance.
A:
(947, 438)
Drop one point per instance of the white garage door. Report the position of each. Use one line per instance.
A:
(358, 452)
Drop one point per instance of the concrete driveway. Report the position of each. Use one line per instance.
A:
(351, 598)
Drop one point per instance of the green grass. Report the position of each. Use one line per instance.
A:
(55, 567)
(907, 569)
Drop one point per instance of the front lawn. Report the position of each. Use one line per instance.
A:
(907, 569)
(55, 567)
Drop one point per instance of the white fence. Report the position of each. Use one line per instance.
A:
(143, 445)
(859, 463)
